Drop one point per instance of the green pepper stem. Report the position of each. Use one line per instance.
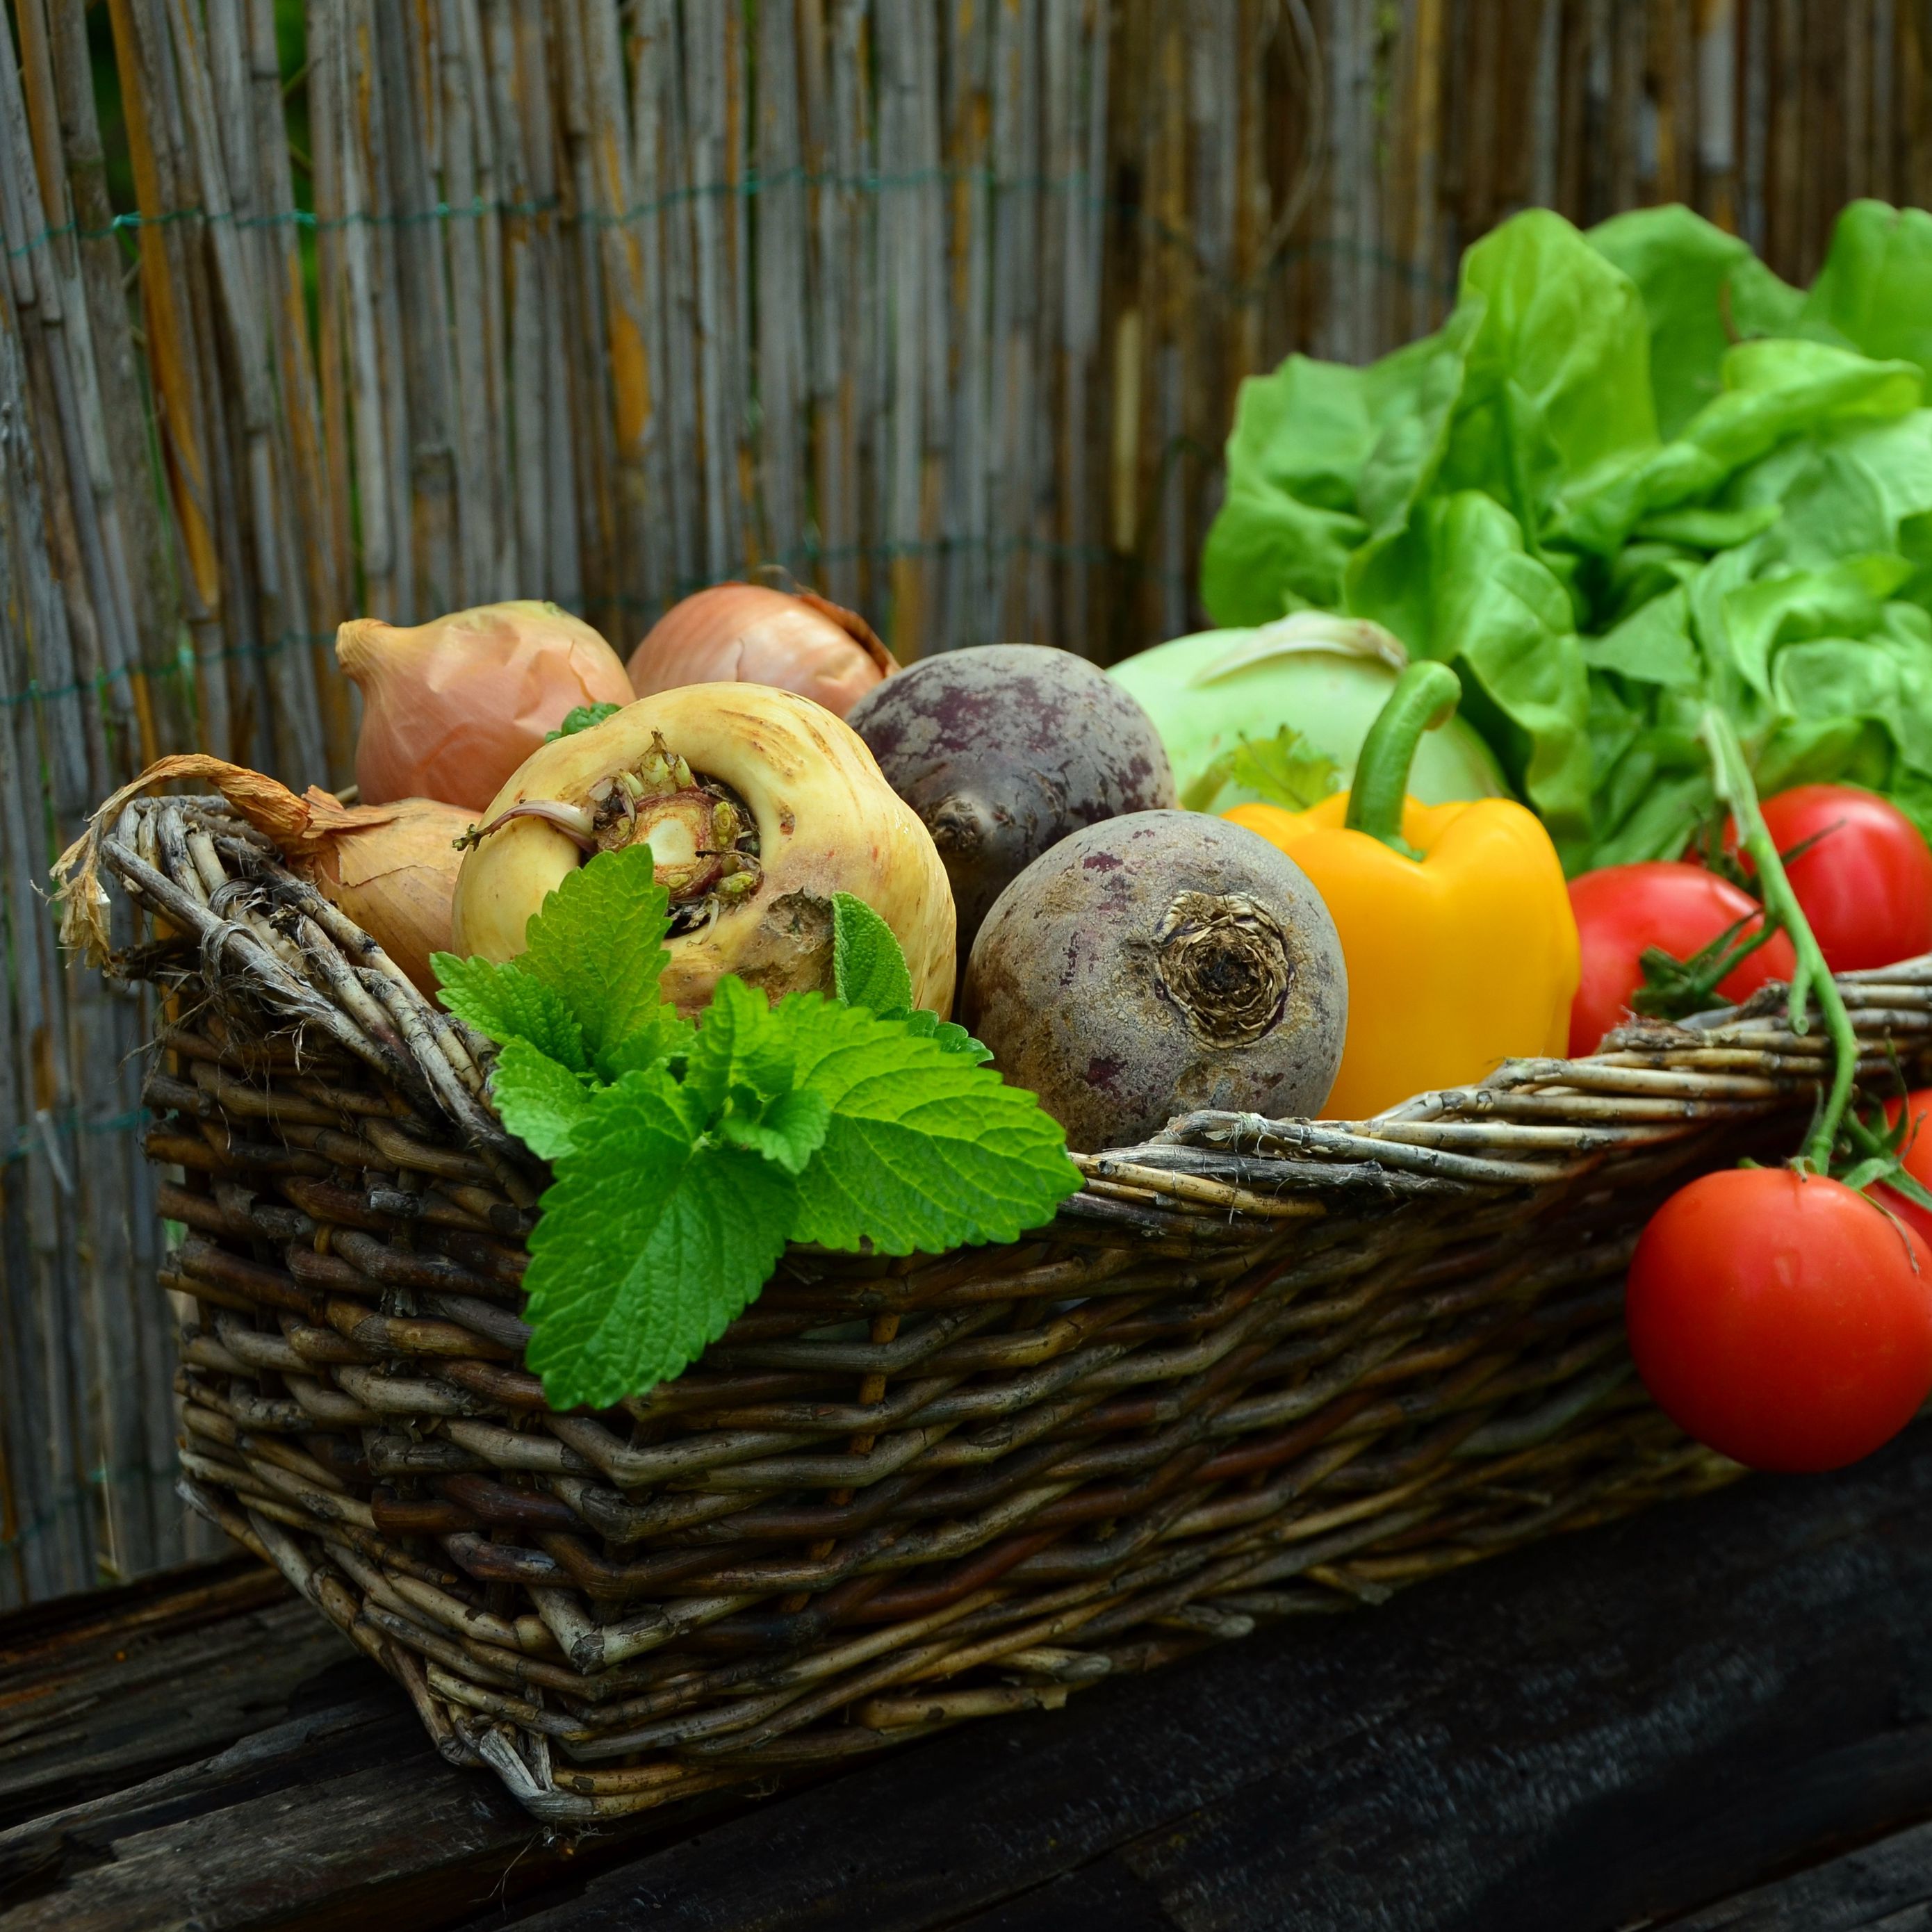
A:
(1734, 786)
(1425, 697)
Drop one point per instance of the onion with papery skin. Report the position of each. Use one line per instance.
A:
(749, 634)
(452, 707)
(396, 879)
(757, 804)
(392, 868)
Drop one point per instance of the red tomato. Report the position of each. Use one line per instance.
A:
(1622, 909)
(1866, 885)
(1917, 1161)
(1784, 1320)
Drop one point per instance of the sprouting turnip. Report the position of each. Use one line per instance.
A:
(1004, 749)
(1154, 964)
(758, 805)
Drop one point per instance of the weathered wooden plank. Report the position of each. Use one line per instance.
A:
(398, 1842)
(1604, 1732)
(1882, 1888)
(1588, 1735)
(203, 1749)
(1105, 1893)
(102, 1725)
(47, 1650)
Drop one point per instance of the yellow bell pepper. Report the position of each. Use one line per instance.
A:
(1457, 928)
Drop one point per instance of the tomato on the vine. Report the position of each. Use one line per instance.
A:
(1622, 910)
(1914, 1156)
(1781, 1319)
(1864, 880)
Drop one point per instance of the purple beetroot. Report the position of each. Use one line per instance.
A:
(1004, 749)
(1155, 964)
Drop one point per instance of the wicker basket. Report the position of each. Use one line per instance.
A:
(1255, 1369)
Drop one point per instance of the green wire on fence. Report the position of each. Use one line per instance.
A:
(45, 1518)
(1075, 185)
(28, 1138)
(181, 666)
(748, 186)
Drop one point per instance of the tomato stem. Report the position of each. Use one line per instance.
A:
(1735, 787)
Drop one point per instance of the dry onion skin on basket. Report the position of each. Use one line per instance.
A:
(758, 806)
(391, 868)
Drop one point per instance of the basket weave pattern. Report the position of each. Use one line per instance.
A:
(1253, 1370)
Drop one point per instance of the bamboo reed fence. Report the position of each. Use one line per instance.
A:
(937, 304)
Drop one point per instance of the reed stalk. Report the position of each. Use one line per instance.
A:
(941, 307)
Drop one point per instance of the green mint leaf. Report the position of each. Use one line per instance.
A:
(869, 970)
(541, 1101)
(867, 967)
(651, 1241)
(739, 1044)
(788, 1130)
(924, 1150)
(923, 1025)
(505, 1003)
(580, 719)
(665, 1037)
(598, 941)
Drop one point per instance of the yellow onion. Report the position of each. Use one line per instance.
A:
(452, 707)
(757, 804)
(391, 868)
(748, 633)
(396, 878)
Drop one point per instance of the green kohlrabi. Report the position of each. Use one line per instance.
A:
(1632, 468)
(1218, 697)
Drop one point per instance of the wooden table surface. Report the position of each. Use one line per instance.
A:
(1717, 1715)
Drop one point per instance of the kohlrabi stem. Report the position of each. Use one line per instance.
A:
(1735, 789)
(1425, 696)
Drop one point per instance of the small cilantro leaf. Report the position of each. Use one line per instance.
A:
(1285, 770)
(541, 1100)
(789, 1130)
(505, 1003)
(581, 718)
(924, 1025)
(650, 1242)
(867, 967)
(924, 1150)
(597, 941)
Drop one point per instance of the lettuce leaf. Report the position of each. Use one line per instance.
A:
(1632, 469)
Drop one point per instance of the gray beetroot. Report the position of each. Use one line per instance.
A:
(1160, 962)
(1004, 749)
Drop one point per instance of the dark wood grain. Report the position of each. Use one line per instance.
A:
(1882, 1888)
(106, 1690)
(204, 1750)
(1722, 1709)
(1584, 1736)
